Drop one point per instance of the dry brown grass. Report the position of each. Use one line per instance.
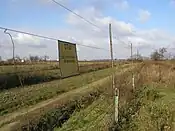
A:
(151, 108)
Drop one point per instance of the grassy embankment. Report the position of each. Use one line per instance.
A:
(13, 99)
(99, 114)
(71, 83)
(152, 105)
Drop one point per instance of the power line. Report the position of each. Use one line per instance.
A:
(81, 17)
(86, 20)
(116, 38)
(63, 6)
(27, 33)
(50, 38)
(47, 37)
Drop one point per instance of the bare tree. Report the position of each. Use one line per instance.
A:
(173, 58)
(162, 52)
(158, 55)
(0, 58)
(17, 58)
(34, 58)
(155, 55)
(137, 57)
(46, 58)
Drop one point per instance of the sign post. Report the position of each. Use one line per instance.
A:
(68, 61)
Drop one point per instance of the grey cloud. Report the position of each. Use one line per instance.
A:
(120, 28)
(38, 46)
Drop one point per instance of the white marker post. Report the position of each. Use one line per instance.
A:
(116, 104)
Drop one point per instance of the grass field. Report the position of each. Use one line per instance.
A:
(85, 102)
(95, 117)
(152, 105)
(22, 75)
(14, 99)
(41, 92)
(40, 66)
(99, 115)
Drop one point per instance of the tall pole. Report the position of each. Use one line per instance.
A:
(116, 91)
(133, 77)
(5, 31)
(131, 53)
(137, 54)
(111, 49)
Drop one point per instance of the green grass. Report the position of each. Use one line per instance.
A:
(15, 80)
(157, 114)
(149, 110)
(98, 115)
(14, 99)
(27, 68)
(9, 69)
(57, 116)
(152, 105)
(51, 111)
(23, 97)
(91, 118)
(26, 75)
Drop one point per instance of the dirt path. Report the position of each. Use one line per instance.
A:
(9, 121)
(51, 102)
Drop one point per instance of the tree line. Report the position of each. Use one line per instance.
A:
(30, 58)
(155, 55)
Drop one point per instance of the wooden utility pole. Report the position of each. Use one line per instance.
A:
(111, 49)
(133, 77)
(116, 91)
(137, 54)
(131, 53)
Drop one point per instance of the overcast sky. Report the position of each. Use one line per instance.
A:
(147, 24)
